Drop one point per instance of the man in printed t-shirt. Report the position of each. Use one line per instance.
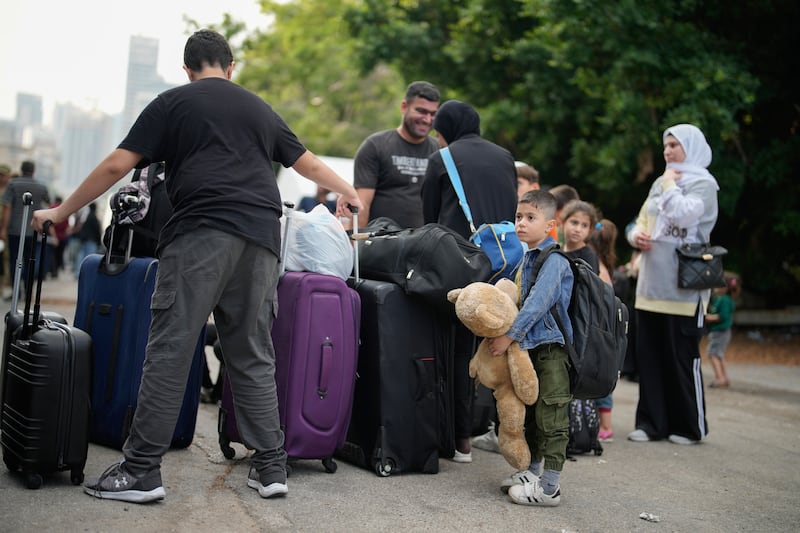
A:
(390, 165)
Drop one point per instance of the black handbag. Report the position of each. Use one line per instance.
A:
(700, 266)
(427, 262)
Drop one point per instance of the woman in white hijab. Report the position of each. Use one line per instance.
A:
(681, 207)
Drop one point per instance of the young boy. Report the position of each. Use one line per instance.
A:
(546, 421)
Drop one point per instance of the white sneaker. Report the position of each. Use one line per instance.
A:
(517, 478)
(639, 435)
(680, 439)
(462, 457)
(532, 493)
(269, 490)
(488, 441)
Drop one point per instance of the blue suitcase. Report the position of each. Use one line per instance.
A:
(114, 308)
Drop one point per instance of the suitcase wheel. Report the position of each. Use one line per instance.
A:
(384, 469)
(227, 451)
(76, 476)
(330, 465)
(33, 481)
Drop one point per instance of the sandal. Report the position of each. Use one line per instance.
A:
(719, 384)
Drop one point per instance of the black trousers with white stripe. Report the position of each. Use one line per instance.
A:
(671, 400)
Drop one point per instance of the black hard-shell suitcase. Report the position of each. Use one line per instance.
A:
(400, 407)
(46, 407)
(14, 317)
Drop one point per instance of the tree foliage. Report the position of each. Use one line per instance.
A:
(584, 88)
(304, 65)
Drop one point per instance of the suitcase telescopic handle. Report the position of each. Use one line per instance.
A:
(356, 273)
(29, 326)
(42, 256)
(27, 202)
(287, 212)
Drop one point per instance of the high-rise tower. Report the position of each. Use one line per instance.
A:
(144, 82)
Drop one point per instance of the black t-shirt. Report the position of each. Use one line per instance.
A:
(218, 141)
(488, 176)
(395, 168)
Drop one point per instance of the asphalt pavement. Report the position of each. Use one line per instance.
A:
(744, 477)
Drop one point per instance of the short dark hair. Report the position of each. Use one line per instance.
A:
(422, 89)
(206, 47)
(564, 194)
(527, 171)
(27, 168)
(541, 200)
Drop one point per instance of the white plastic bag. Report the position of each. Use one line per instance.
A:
(317, 242)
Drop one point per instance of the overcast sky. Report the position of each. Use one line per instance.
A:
(77, 51)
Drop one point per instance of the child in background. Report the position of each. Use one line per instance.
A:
(527, 178)
(720, 319)
(603, 241)
(563, 195)
(547, 420)
(578, 219)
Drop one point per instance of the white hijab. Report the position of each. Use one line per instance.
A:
(698, 155)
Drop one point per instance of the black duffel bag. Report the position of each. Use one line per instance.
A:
(427, 262)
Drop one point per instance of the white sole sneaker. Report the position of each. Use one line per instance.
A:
(638, 435)
(533, 494)
(488, 442)
(679, 439)
(273, 489)
(517, 478)
(462, 457)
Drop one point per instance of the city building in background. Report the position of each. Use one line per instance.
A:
(143, 83)
(29, 117)
(78, 139)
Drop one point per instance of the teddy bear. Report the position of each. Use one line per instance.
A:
(488, 311)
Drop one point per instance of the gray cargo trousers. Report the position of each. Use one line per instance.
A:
(201, 272)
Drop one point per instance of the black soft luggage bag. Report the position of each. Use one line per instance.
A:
(426, 262)
(46, 384)
(400, 405)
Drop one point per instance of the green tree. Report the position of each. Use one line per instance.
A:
(304, 65)
(584, 88)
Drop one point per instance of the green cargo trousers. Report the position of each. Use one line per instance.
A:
(547, 420)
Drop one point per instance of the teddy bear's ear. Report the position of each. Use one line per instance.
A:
(452, 296)
(509, 288)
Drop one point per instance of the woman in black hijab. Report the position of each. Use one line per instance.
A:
(489, 178)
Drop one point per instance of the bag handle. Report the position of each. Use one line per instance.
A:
(455, 179)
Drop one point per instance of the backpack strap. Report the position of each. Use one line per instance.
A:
(458, 187)
(537, 266)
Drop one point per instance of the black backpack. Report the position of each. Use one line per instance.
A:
(145, 216)
(584, 426)
(600, 329)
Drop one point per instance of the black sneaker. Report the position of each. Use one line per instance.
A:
(267, 488)
(116, 483)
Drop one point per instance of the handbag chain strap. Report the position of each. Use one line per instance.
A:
(455, 179)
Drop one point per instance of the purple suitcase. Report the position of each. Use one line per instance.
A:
(316, 349)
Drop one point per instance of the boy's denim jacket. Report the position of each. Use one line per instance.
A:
(535, 325)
